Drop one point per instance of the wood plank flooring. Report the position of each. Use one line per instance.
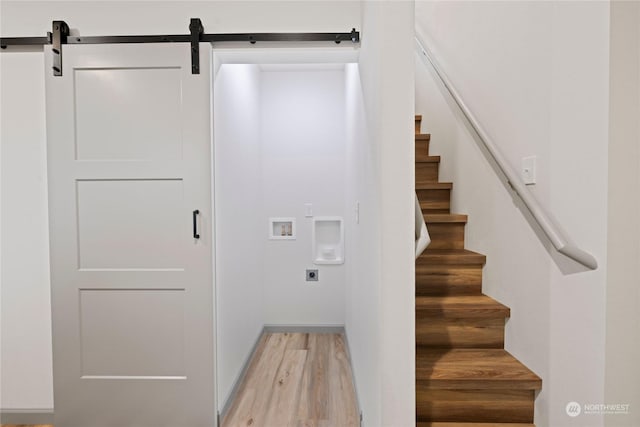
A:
(296, 380)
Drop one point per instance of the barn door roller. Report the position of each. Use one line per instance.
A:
(197, 30)
(59, 36)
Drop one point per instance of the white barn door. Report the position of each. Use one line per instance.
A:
(129, 162)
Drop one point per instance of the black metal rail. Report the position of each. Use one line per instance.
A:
(59, 36)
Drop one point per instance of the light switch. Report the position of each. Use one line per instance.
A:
(308, 210)
(529, 170)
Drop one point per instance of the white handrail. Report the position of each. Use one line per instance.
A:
(550, 227)
(422, 235)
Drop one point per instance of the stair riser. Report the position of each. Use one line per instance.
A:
(426, 289)
(417, 126)
(427, 258)
(498, 406)
(434, 210)
(459, 333)
(441, 280)
(422, 148)
(424, 158)
(427, 172)
(446, 235)
(435, 201)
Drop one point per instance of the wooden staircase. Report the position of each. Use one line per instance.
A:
(464, 377)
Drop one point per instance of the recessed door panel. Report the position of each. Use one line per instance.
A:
(144, 337)
(131, 224)
(128, 113)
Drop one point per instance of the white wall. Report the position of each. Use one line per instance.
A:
(382, 154)
(239, 290)
(26, 355)
(303, 161)
(363, 247)
(622, 379)
(535, 74)
(578, 167)
(25, 345)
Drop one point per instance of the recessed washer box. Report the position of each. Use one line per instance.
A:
(282, 228)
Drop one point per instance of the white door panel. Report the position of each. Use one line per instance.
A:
(130, 224)
(129, 158)
(139, 119)
(145, 339)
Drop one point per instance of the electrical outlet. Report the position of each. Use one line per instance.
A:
(529, 170)
(312, 275)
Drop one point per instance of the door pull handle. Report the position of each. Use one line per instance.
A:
(195, 224)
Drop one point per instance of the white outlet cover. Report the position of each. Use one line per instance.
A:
(529, 170)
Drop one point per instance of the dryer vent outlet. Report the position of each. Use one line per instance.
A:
(312, 275)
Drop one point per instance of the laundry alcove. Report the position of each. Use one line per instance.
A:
(280, 151)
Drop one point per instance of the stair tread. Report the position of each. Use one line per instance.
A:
(461, 306)
(422, 136)
(421, 158)
(476, 369)
(418, 116)
(434, 186)
(450, 256)
(449, 424)
(437, 218)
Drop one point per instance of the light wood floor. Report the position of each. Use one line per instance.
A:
(296, 380)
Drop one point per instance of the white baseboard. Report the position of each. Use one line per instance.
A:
(305, 329)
